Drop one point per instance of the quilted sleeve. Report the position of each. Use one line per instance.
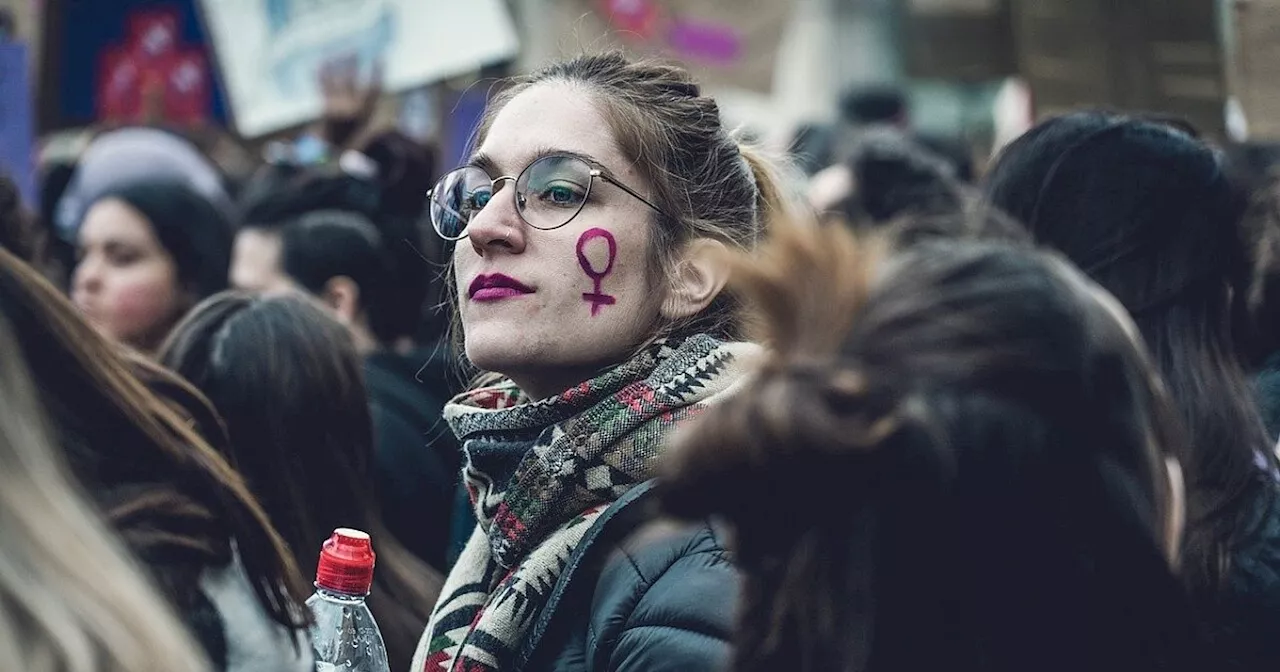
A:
(664, 602)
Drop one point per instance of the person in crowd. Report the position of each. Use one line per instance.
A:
(340, 258)
(591, 223)
(1148, 212)
(71, 599)
(1262, 336)
(142, 443)
(285, 378)
(147, 253)
(888, 176)
(959, 443)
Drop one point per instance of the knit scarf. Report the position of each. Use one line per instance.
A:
(540, 473)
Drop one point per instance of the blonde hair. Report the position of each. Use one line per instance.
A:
(70, 599)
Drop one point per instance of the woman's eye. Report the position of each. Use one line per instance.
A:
(479, 199)
(122, 257)
(561, 194)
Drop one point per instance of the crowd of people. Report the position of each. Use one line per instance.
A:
(625, 392)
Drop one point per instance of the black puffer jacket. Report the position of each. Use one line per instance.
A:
(639, 596)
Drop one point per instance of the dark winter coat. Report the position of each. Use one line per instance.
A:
(639, 595)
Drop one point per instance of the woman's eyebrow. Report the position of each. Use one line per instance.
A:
(490, 166)
(483, 162)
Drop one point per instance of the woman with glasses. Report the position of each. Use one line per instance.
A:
(591, 223)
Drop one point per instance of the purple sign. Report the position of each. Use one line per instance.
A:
(706, 42)
(17, 131)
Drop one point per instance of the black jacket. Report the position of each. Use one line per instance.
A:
(1244, 620)
(417, 459)
(638, 596)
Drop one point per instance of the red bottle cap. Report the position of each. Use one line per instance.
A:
(346, 563)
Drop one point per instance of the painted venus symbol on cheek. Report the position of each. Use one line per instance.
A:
(596, 297)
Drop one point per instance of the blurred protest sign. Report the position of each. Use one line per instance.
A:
(152, 76)
(1256, 66)
(730, 43)
(958, 40)
(1161, 56)
(269, 51)
(126, 61)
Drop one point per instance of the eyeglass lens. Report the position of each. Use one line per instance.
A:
(548, 194)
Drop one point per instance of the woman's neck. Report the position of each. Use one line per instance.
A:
(543, 384)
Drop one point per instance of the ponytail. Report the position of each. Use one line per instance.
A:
(809, 422)
(772, 201)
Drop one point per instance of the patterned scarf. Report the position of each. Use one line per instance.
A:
(540, 473)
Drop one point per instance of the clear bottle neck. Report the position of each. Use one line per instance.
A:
(335, 596)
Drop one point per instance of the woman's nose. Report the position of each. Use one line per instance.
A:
(498, 225)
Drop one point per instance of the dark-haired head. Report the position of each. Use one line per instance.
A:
(337, 256)
(895, 177)
(960, 447)
(873, 105)
(392, 201)
(147, 253)
(1149, 212)
(287, 381)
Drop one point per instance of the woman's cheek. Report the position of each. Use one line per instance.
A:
(137, 307)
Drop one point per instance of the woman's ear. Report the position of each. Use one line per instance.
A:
(700, 275)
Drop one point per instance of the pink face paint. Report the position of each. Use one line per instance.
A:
(596, 297)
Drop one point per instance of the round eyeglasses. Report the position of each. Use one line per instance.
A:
(549, 193)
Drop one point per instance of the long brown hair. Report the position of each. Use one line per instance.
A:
(71, 600)
(286, 379)
(172, 497)
(959, 448)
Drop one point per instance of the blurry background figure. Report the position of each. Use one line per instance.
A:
(341, 258)
(882, 169)
(339, 215)
(1151, 214)
(1260, 339)
(975, 397)
(286, 379)
(891, 177)
(146, 253)
(146, 447)
(71, 600)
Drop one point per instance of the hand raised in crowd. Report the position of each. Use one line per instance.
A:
(349, 98)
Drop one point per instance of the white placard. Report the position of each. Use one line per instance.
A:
(269, 51)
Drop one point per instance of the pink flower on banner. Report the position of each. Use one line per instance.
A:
(640, 17)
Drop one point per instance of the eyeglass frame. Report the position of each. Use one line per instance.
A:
(594, 170)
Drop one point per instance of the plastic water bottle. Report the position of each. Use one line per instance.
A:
(345, 636)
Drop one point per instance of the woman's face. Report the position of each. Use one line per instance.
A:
(550, 307)
(125, 281)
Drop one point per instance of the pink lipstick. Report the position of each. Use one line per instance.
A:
(496, 287)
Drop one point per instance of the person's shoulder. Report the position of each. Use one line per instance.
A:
(660, 546)
(666, 595)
